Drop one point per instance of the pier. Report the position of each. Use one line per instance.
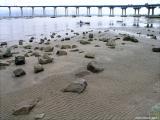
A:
(150, 8)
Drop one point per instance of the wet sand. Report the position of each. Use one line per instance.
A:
(127, 88)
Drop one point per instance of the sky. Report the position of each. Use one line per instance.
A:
(75, 2)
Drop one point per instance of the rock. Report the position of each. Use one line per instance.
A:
(7, 53)
(27, 47)
(154, 37)
(111, 43)
(89, 55)
(58, 36)
(74, 50)
(90, 35)
(77, 86)
(45, 59)
(19, 72)
(156, 49)
(20, 42)
(3, 44)
(48, 49)
(82, 73)
(19, 60)
(61, 53)
(38, 68)
(129, 38)
(26, 55)
(83, 42)
(104, 39)
(4, 63)
(97, 46)
(67, 38)
(24, 107)
(39, 116)
(14, 46)
(74, 46)
(41, 41)
(36, 54)
(90, 39)
(94, 67)
(65, 47)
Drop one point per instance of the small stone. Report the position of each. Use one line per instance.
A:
(131, 39)
(104, 39)
(76, 87)
(7, 53)
(65, 47)
(111, 43)
(74, 50)
(61, 53)
(90, 35)
(38, 68)
(24, 107)
(67, 38)
(19, 60)
(83, 42)
(19, 72)
(48, 49)
(156, 49)
(20, 42)
(39, 116)
(90, 55)
(27, 46)
(94, 67)
(97, 46)
(4, 63)
(3, 44)
(74, 46)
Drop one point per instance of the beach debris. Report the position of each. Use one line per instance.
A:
(82, 73)
(19, 72)
(76, 86)
(74, 46)
(39, 116)
(65, 47)
(19, 60)
(111, 43)
(90, 35)
(21, 42)
(48, 49)
(45, 59)
(130, 38)
(61, 53)
(27, 47)
(25, 107)
(3, 44)
(89, 55)
(156, 49)
(83, 42)
(95, 67)
(38, 68)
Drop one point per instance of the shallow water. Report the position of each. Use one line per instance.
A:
(13, 29)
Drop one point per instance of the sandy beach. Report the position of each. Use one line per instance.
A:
(127, 88)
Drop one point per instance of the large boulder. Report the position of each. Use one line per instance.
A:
(94, 67)
(61, 53)
(130, 38)
(156, 49)
(65, 47)
(20, 60)
(48, 49)
(45, 59)
(38, 68)
(83, 42)
(89, 55)
(76, 87)
(24, 107)
(19, 72)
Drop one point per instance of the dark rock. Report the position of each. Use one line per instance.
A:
(38, 68)
(89, 55)
(83, 42)
(154, 37)
(41, 41)
(131, 39)
(76, 87)
(104, 39)
(65, 47)
(24, 107)
(3, 44)
(67, 38)
(19, 72)
(90, 35)
(156, 49)
(20, 42)
(94, 67)
(61, 53)
(19, 60)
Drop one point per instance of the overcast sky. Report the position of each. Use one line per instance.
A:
(75, 2)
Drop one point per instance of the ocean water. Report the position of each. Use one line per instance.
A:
(14, 29)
